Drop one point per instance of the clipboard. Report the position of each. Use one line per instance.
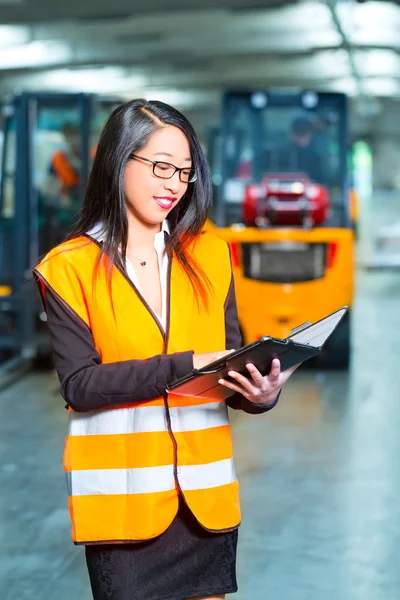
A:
(304, 342)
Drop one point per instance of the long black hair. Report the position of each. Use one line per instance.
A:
(127, 131)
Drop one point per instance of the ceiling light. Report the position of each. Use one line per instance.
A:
(104, 80)
(381, 86)
(10, 36)
(34, 54)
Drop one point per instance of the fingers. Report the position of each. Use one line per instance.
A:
(255, 375)
(244, 382)
(233, 386)
(258, 384)
(275, 371)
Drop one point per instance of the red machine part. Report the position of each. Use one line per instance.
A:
(284, 199)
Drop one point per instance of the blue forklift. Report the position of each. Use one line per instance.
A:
(35, 213)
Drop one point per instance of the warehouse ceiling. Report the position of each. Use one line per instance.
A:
(187, 52)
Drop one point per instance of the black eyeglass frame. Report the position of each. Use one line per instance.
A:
(163, 162)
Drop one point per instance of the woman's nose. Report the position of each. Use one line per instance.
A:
(173, 184)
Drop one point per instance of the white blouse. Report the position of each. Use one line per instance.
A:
(98, 234)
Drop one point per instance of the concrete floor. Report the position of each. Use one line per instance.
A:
(318, 475)
(319, 482)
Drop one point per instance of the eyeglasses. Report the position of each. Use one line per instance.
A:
(165, 170)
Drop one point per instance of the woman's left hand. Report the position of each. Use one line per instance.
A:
(260, 389)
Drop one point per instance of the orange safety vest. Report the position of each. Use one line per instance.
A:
(126, 465)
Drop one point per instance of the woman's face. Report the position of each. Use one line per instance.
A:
(149, 198)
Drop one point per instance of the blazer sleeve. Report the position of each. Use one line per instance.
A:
(233, 340)
(86, 383)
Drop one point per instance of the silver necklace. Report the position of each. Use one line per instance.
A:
(142, 262)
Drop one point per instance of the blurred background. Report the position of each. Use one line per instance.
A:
(297, 107)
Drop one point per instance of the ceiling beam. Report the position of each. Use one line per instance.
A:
(346, 44)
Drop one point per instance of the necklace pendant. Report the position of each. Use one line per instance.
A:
(143, 263)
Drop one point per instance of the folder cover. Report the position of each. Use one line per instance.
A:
(304, 342)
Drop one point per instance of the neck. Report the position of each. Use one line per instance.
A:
(140, 235)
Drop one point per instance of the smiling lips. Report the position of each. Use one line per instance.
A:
(164, 202)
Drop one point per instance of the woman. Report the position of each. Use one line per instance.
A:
(138, 296)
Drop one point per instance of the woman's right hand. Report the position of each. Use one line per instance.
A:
(201, 360)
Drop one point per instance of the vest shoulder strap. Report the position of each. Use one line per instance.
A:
(62, 272)
(213, 255)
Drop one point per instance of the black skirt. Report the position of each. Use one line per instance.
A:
(186, 561)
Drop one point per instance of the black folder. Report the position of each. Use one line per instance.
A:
(303, 343)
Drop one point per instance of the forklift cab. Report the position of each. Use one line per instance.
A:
(271, 139)
(40, 135)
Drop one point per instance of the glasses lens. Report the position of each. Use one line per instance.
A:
(163, 170)
(188, 175)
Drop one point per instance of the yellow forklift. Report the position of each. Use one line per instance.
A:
(284, 203)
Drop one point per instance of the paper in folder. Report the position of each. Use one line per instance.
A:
(305, 341)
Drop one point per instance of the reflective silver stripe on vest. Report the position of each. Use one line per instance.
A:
(148, 419)
(150, 479)
(143, 480)
(199, 477)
